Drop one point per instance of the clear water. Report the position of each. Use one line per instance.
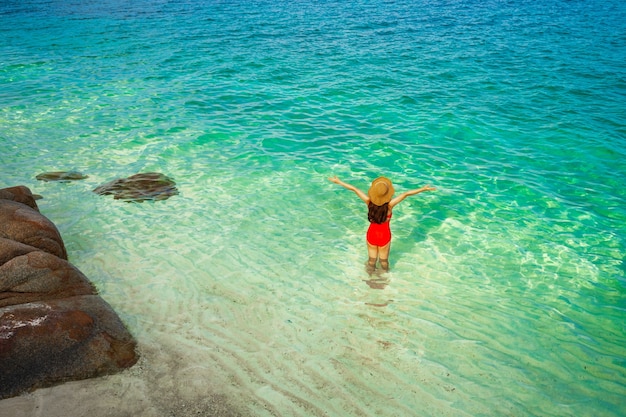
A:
(507, 289)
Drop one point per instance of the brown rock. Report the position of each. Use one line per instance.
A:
(62, 176)
(9, 249)
(49, 342)
(20, 194)
(40, 276)
(140, 187)
(24, 224)
(53, 326)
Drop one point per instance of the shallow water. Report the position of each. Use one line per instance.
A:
(248, 291)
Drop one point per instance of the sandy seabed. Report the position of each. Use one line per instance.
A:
(169, 388)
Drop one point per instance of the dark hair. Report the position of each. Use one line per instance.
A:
(377, 214)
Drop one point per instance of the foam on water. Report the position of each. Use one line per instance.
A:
(248, 291)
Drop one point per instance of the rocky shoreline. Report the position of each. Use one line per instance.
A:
(54, 327)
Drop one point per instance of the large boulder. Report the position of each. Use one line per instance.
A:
(46, 343)
(21, 194)
(26, 225)
(53, 325)
(33, 275)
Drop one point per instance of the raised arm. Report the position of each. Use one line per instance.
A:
(405, 194)
(358, 192)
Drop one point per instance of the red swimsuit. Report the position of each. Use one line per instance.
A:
(379, 234)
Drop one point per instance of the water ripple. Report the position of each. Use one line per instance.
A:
(506, 289)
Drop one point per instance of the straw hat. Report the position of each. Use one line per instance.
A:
(380, 191)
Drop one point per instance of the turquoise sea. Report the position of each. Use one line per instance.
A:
(247, 292)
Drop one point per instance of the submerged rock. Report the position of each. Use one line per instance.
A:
(62, 176)
(140, 187)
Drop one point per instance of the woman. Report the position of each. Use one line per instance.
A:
(380, 205)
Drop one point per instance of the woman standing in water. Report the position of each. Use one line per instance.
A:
(380, 205)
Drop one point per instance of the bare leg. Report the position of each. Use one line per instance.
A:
(383, 253)
(372, 253)
(384, 264)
